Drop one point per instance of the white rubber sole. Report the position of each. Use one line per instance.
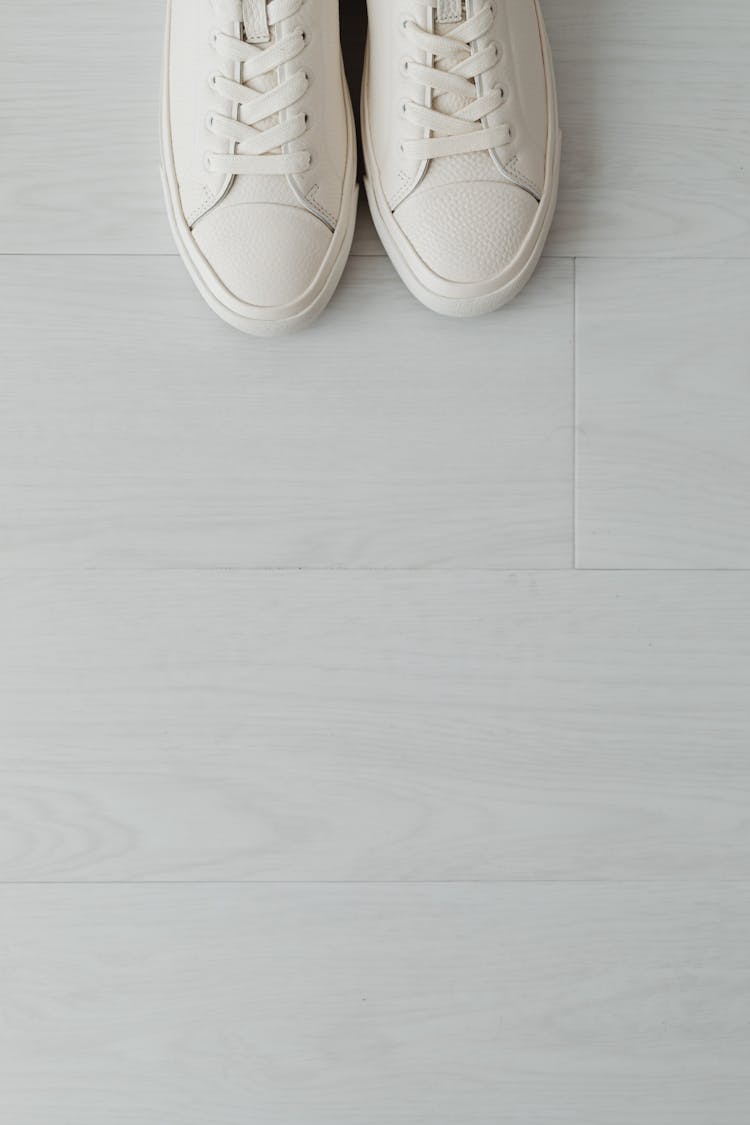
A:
(437, 293)
(252, 319)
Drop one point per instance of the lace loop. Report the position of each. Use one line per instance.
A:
(262, 125)
(456, 70)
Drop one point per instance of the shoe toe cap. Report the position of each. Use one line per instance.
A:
(266, 254)
(468, 233)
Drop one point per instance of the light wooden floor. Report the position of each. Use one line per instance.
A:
(375, 728)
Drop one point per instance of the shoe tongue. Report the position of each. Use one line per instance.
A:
(255, 19)
(253, 14)
(264, 82)
(455, 169)
(451, 11)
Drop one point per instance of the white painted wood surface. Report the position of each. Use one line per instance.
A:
(333, 841)
(137, 430)
(654, 104)
(663, 414)
(204, 725)
(359, 1004)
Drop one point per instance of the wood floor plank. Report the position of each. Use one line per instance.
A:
(241, 725)
(654, 104)
(80, 156)
(360, 1005)
(663, 414)
(138, 430)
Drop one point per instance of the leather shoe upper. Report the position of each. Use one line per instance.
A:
(459, 125)
(257, 139)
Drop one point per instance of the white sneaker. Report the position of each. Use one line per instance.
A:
(462, 146)
(259, 156)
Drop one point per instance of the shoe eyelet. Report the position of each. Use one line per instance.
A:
(207, 162)
(405, 67)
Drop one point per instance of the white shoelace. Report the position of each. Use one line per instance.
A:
(258, 148)
(456, 70)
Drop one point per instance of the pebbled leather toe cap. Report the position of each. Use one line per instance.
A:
(467, 232)
(266, 254)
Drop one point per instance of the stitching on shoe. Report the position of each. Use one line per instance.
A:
(512, 166)
(198, 210)
(318, 205)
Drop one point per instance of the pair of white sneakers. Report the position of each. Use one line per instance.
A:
(259, 152)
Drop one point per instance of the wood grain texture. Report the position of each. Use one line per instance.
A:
(80, 154)
(375, 726)
(663, 414)
(655, 105)
(443, 845)
(137, 429)
(362, 1005)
